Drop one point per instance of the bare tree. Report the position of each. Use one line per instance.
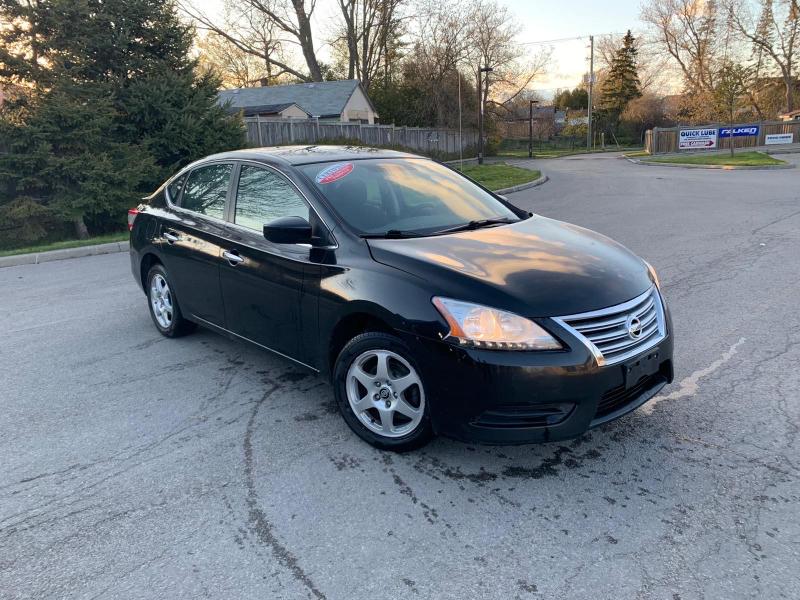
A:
(492, 33)
(263, 28)
(688, 31)
(438, 54)
(369, 30)
(235, 67)
(775, 33)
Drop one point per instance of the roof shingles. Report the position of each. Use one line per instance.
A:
(325, 99)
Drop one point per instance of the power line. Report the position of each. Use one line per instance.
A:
(571, 39)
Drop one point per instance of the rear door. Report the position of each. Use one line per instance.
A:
(262, 282)
(192, 235)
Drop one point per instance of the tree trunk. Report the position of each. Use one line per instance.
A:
(732, 139)
(306, 39)
(789, 94)
(80, 228)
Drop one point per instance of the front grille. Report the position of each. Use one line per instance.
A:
(618, 397)
(609, 332)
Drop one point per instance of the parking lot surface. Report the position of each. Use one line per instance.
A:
(134, 466)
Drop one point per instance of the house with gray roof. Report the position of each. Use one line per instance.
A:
(326, 100)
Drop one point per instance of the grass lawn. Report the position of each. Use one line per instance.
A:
(499, 176)
(740, 159)
(104, 239)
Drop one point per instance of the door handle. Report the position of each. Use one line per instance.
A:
(171, 237)
(232, 258)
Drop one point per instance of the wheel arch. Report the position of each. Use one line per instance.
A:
(351, 325)
(147, 262)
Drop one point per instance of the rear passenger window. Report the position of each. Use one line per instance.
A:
(206, 190)
(263, 196)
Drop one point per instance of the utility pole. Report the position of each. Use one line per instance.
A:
(591, 84)
(480, 116)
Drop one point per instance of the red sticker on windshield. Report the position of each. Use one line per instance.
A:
(334, 172)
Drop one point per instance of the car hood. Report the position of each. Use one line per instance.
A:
(538, 267)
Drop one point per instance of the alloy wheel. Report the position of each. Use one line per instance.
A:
(161, 301)
(385, 393)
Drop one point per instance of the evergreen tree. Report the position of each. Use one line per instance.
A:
(111, 86)
(622, 83)
(61, 165)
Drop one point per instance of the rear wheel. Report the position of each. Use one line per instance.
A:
(164, 308)
(381, 394)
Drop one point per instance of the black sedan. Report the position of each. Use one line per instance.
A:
(434, 305)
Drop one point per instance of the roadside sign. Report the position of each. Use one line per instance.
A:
(697, 139)
(779, 138)
(740, 131)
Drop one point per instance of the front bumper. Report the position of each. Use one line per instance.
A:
(503, 397)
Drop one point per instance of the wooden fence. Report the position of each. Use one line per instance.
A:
(431, 141)
(660, 140)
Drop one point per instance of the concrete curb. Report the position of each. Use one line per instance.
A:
(39, 257)
(650, 163)
(524, 186)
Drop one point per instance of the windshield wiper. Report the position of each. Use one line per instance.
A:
(476, 225)
(391, 234)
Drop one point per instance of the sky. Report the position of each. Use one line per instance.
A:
(541, 20)
(552, 20)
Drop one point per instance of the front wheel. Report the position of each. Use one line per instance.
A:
(381, 394)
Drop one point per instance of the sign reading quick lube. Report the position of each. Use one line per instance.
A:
(741, 131)
(689, 139)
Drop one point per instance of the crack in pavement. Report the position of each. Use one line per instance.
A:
(688, 386)
(260, 524)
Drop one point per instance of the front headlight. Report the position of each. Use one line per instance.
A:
(484, 327)
(653, 275)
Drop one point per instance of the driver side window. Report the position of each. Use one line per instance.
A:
(264, 196)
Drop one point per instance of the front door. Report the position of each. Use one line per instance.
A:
(192, 237)
(262, 282)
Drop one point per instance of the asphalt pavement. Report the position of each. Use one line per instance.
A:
(133, 466)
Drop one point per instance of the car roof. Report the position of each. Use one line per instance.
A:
(303, 155)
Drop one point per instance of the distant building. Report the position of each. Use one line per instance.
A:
(790, 116)
(577, 117)
(285, 110)
(344, 101)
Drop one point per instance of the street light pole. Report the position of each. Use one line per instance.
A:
(591, 85)
(460, 138)
(530, 128)
(482, 107)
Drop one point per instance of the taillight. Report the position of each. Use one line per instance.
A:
(132, 212)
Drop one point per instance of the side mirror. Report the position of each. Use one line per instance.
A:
(288, 230)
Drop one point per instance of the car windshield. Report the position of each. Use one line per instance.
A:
(404, 197)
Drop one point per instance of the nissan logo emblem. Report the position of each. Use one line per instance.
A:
(634, 326)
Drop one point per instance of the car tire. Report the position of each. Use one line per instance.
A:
(164, 308)
(380, 393)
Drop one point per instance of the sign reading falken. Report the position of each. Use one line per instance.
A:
(696, 139)
(740, 131)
